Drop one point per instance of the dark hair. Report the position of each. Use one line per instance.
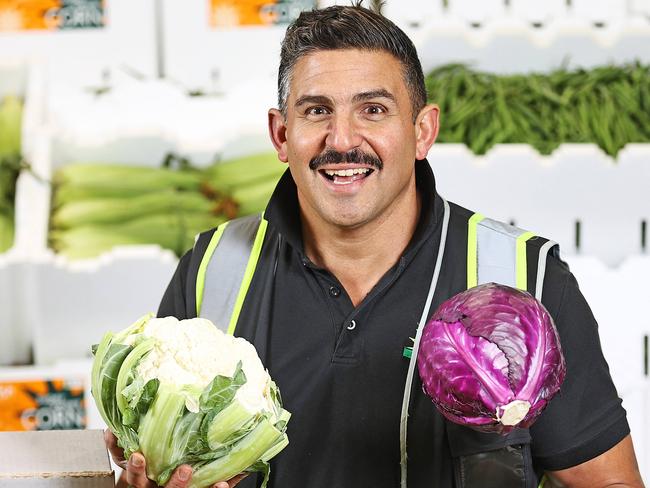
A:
(349, 27)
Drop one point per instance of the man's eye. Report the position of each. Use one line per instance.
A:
(316, 111)
(375, 110)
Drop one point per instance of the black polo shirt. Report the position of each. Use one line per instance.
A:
(341, 369)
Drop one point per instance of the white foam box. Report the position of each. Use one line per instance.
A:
(22, 79)
(83, 57)
(559, 196)
(54, 459)
(509, 44)
(59, 308)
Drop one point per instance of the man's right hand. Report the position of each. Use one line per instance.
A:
(135, 472)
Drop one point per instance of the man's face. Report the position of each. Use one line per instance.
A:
(349, 136)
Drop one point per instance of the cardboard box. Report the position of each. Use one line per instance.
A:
(54, 459)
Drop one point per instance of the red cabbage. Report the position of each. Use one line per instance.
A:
(490, 358)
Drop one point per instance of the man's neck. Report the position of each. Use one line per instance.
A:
(360, 256)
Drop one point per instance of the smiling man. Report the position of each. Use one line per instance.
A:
(355, 250)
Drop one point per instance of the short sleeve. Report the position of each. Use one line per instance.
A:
(586, 418)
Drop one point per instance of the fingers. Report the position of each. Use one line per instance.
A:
(136, 475)
(181, 477)
(231, 483)
(117, 453)
(122, 483)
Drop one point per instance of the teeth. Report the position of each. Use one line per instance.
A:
(347, 172)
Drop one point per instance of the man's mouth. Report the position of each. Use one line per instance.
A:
(346, 176)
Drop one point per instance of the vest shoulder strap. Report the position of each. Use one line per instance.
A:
(499, 252)
(226, 270)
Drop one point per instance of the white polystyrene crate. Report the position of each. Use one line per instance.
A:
(578, 196)
(79, 57)
(15, 340)
(73, 303)
(600, 11)
(640, 8)
(199, 56)
(477, 13)
(507, 46)
(413, 15)
(66, 305)
(31, 210)
(614, 295)
(25, 81)
(536, 12)
(123, 124)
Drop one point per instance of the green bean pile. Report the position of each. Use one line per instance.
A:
(607, 105)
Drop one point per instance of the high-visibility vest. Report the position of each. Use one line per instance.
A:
(496, 252)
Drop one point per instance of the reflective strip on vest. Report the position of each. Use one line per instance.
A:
(227, 269)
(496, 252)
(472, 273)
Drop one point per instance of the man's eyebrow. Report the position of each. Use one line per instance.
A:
(369, 95)
(318, 99)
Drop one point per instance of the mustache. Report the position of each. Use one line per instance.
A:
(356, 156)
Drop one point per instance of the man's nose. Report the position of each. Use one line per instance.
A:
(343, 133)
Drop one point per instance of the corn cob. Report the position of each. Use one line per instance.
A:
(126, 178)
(98, 206)
(228, 175)
(10, 143)
(6, 231)
(175, 232)
(253, 198)
(11, 110)
(115, 210)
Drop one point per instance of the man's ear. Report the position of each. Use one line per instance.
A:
(426, 130)
(278, 133)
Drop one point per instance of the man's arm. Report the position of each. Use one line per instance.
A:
(616, 467)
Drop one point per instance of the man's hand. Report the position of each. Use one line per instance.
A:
(135, 472)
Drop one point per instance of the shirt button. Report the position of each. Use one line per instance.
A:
(335, 291)
(352, 325)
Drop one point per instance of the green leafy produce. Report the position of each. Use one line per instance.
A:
(608, 106)
(10, 163)
(184, 392)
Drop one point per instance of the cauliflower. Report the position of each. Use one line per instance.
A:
(185, 392)
(196, 352)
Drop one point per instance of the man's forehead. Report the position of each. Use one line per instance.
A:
(346, 72)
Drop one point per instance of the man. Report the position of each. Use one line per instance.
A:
(354, 232)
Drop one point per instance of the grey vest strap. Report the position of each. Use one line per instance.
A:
(496, 254)
(223, 271)
(500, 261)
(416, 345)
(541, 268)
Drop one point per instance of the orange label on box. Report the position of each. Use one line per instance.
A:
(232, 13)
(17, 15)
(51, 404)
